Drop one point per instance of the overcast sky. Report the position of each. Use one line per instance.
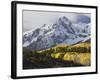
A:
(35, 19)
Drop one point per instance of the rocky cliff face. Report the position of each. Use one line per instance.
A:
(63, 31)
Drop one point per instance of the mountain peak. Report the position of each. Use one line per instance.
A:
(65, 18)
(48, 35)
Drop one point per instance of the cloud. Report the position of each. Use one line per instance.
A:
(83, 18)
(35, 19)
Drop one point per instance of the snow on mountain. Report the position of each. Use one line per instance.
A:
(62, 32)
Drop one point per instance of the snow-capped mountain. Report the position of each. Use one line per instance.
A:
(63, 31)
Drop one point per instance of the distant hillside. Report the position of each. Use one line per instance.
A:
(70, 48)
(59, 56)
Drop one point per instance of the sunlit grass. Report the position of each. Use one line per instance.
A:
(82, 58)
(78, 54)
(86, 44)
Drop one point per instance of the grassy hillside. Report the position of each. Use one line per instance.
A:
(59, 56)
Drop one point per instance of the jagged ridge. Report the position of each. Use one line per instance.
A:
(63, 31)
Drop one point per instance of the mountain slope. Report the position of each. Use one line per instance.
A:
(63, 31)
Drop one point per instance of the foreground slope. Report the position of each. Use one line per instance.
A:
(59, 56)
